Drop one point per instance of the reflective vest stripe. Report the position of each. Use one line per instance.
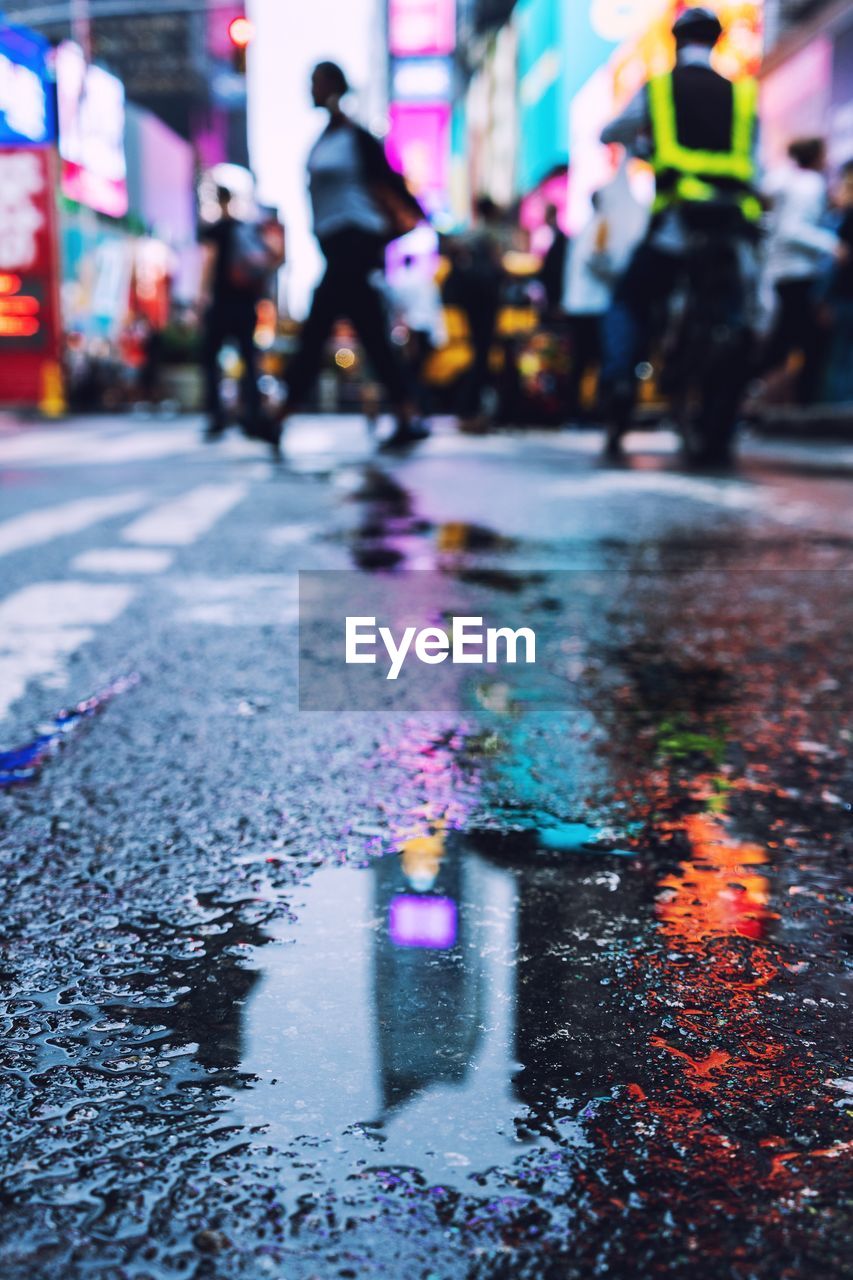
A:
(669, 154)
(743, 126)
(693, 190)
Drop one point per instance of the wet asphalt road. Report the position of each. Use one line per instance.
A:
(548, 983)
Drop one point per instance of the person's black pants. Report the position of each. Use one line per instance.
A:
(639, 311)
(231, 321)
(482, 316)
(346, 290)
(585, 335)
(797, 328)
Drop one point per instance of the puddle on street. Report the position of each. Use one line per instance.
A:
(425, 1012)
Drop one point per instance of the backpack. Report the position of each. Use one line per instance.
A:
(254, 257)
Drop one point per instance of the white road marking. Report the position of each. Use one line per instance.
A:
(180, 522)
(38, 527)
(43, 624)
(724, 493)
(66, 446)
(248, 600)
(292, 535)
(122, 560)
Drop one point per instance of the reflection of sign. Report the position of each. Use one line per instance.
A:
(26, 106)
(421, 27)
(29, 326)
(91, 133)
(415, 921)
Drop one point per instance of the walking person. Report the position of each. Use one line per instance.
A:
(554, 261)
(597, 257)
(475, 286)
(359, 204)
(799, 246)
(417, 303)
(227, 304)
(838, 299)
(698, 131)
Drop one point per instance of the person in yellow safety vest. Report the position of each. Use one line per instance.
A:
(698, 131)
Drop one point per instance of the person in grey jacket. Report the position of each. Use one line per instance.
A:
(359, 203)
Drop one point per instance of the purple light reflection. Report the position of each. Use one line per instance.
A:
(415, 921)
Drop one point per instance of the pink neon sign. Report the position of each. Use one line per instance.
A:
(419, 27)
(419, 144)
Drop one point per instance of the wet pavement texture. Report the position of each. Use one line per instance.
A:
(550, 985)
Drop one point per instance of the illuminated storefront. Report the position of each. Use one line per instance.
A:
(421, 40)
(29, 302)
(542, 91)
(91, 133)
(807, 89)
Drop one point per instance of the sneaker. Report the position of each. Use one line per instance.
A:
(614, 449)
(404, 435)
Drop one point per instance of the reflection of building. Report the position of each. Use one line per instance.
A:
(175, 59)
(428, 981)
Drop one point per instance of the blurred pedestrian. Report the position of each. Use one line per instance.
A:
(417, 303)
(799, 245)
(359, 204)
(839, 297)
(596, 259)
(554, 261)
(698, 130)
(227, 305)
(476, 285)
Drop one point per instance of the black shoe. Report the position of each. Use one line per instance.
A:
(716, 458)
(214, 431)
(269, 432)
(405, 435)
(614, 449)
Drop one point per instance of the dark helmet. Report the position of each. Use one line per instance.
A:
(697, 25)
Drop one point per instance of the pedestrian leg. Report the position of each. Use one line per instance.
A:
(245, 333)
(304, 365)
(212, 339)
(366, 310)
(482, 324)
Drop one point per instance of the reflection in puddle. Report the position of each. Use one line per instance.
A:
(383, 1029)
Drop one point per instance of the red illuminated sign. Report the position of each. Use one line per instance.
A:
(20, 312)
(29, 303)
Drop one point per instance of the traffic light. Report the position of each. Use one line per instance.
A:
(241, 32)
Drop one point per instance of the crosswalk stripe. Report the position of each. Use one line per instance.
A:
(37, 527)
(58, 448)
(122, 560)
(43, 624)
(180, 522)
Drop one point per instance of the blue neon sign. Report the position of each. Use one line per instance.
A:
(27, 100)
